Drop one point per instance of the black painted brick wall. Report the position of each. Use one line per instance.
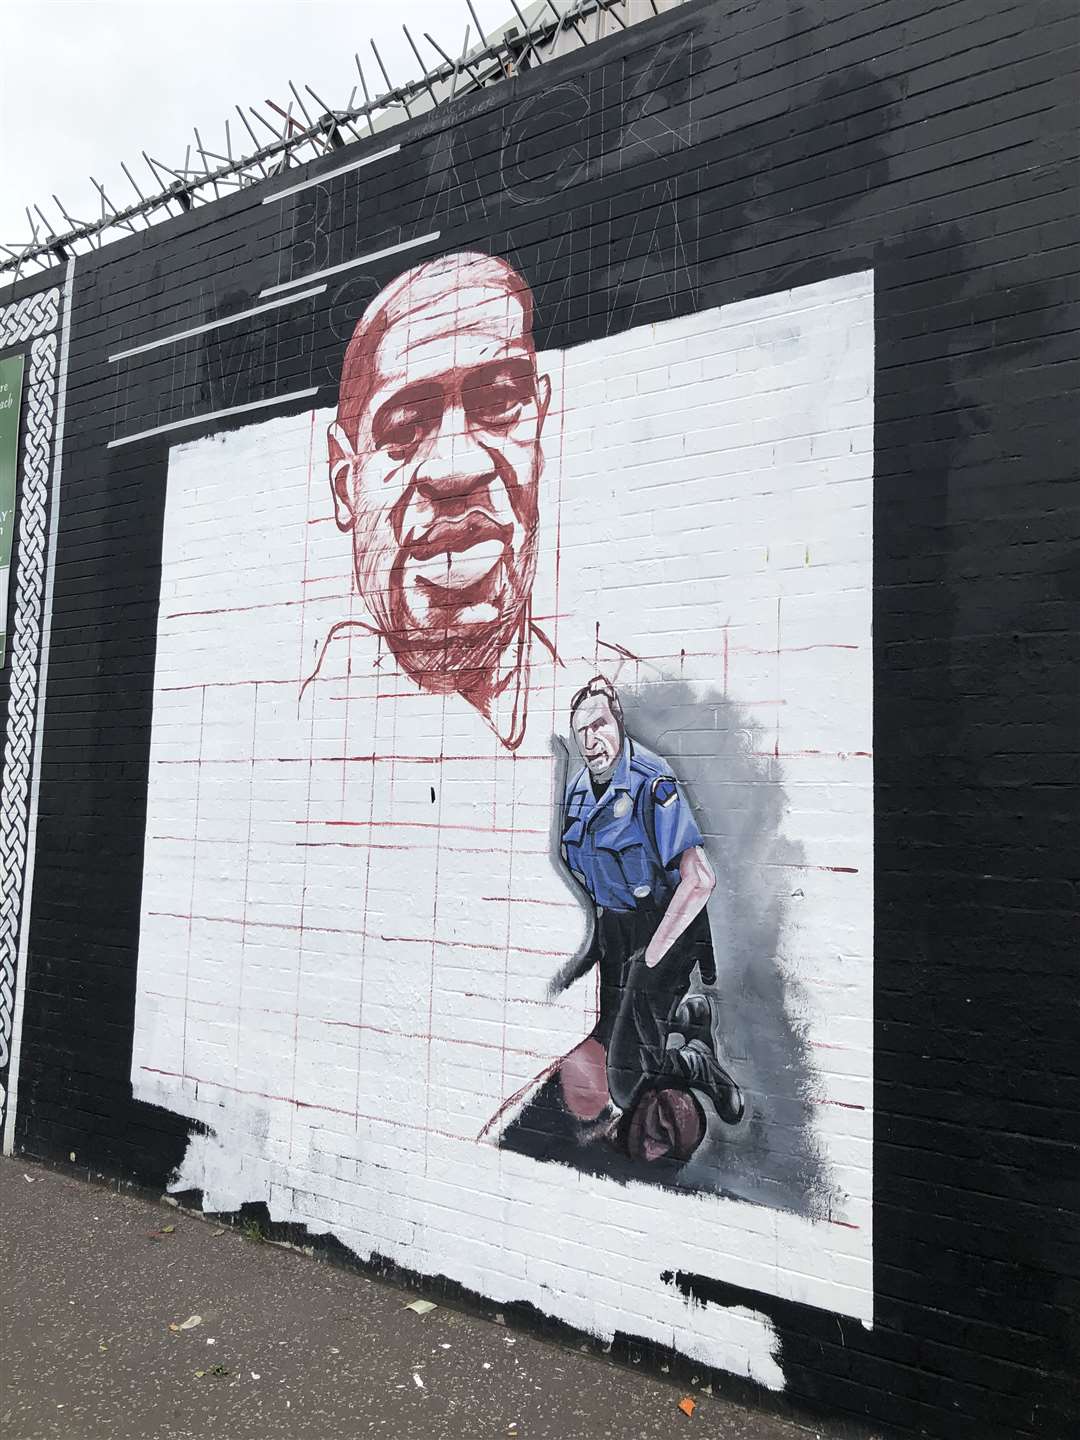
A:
(724, 151)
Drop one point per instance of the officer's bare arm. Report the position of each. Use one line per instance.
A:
(696, 884)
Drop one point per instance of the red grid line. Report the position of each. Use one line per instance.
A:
(367, 885)
(411, 694)
(528, 900)
(247, 863)
(471, 945)
(463, 759)
(799, 865)
(373, 1029)
(423, 825)
(778, 754)
(311, 770)
(359, 934)
(374, 845)
(344, 595)
(191, 898)
(343, 760)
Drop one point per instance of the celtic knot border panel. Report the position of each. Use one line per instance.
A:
(33, 319)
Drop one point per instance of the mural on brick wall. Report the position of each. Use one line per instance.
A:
(436, 455)
(509, 834)
(429, 547)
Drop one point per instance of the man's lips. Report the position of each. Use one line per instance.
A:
(447, 537)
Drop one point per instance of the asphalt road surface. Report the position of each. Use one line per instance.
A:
(284, 1346)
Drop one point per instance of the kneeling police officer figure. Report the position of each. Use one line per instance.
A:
(630, 840)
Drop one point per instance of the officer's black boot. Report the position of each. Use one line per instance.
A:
(697, 1061)
(693, 1019)
(700, 1069)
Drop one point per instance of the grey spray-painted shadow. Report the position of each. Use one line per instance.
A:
(720, 756)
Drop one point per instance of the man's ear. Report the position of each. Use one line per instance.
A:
(341, 467)
(543, 399)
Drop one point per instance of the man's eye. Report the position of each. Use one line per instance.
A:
(496, 414)
(500, 402)
(400, 428)
(402, 432)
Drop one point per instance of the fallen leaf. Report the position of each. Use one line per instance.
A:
(199, 1374)
(218, 1370)
(422, 1307)
(219, 1231)
(189, 1324)
(168, 1229)
(687, 1405)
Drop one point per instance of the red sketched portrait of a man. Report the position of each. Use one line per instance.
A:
(435, 461)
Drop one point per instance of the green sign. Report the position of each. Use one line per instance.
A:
(11, 378)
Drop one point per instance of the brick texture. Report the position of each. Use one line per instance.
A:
(651, 191)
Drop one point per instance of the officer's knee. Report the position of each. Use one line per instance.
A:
(583, 1076)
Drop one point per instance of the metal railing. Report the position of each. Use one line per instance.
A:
(303, 129)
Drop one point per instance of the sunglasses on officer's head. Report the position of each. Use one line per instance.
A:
(598, 687)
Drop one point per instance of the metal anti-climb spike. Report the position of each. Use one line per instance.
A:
(186, 186)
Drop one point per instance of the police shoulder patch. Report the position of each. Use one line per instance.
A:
(664, 791)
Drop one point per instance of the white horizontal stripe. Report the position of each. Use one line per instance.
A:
(215, 324)
(351, 264)
(332, 174)
(214, 415)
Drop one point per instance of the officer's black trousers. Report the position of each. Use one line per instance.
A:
(638, 1002)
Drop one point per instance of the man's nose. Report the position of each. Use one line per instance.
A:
(453, 462)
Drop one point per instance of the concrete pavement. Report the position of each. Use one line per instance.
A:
(284, 1346)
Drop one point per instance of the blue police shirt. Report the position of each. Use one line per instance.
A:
(624, 848)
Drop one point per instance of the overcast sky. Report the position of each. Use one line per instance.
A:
(88, 83)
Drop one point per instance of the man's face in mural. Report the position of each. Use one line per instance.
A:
(436, 457)
(598, 734)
